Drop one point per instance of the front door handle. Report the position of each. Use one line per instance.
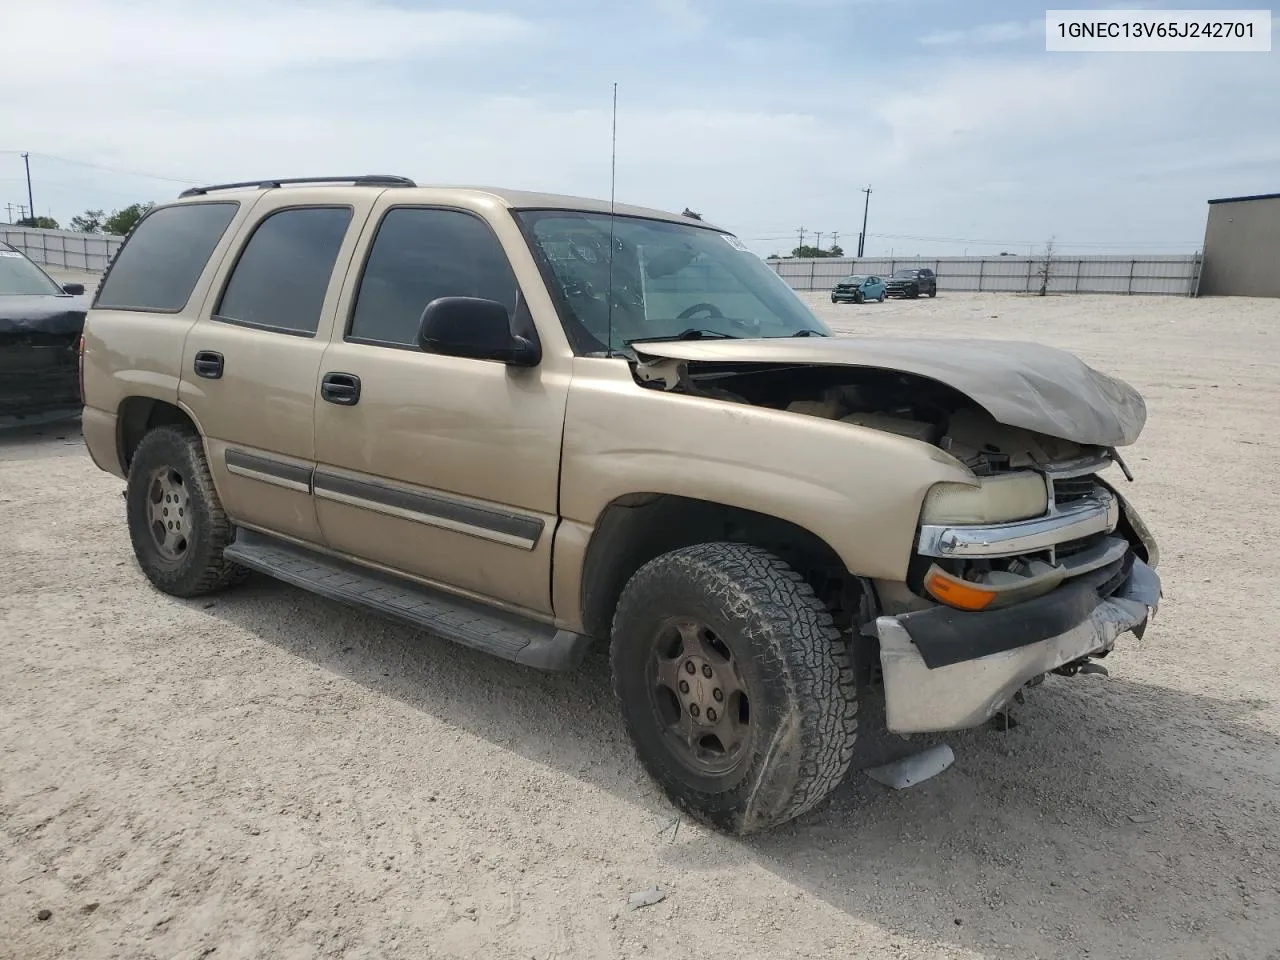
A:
(340, 388)
(208, 364)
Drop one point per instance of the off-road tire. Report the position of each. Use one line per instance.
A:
(933, 292)
(793, 660)
(202, 568)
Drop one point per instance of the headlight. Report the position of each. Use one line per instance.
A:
(1000, 499)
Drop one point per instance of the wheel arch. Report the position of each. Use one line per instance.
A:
(138, 415)
(635, 528)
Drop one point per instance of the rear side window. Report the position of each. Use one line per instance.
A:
(281, 278)
(418, 256)
(158, 266)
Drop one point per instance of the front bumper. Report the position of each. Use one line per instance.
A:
(946, 669)
(38, 375)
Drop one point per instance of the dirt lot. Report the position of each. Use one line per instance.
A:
(270, 775)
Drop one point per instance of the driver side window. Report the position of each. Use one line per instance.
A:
(419, 255)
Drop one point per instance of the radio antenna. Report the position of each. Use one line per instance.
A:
(613, 180)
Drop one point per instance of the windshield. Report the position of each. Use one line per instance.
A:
(908, 274)
(668, 279)
(20, 277)
(854, 279)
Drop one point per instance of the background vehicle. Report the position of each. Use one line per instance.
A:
(527, 423)
(858, 288)
(912, 282)
(40, 324)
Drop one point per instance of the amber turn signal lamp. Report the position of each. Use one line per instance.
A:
(957, 593)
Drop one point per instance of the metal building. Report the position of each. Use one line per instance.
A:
(1242, 247)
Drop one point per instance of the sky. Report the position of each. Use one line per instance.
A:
(764, 115)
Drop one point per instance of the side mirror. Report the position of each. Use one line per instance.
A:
(75, 289)
(477, 329)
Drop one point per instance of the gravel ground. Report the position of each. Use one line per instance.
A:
(266, 774)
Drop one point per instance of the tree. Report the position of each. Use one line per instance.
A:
(1046, 264)
(807, 252)
(88, 222)
(39, 223)
(122, 221)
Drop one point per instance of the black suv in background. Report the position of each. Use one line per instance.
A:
(912, 282)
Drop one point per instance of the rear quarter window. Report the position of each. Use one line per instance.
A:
(160, 263)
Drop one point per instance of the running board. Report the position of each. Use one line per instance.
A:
(463, 621)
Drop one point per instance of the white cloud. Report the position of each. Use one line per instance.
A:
(197, 39)
(971, 144)
(1007, 32)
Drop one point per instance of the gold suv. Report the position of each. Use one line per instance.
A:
(528, 423)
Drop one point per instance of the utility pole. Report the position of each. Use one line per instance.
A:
(31, 204)
(862, 237)
(801, 247)
(835, 240)
(817, 244)
(8, 210)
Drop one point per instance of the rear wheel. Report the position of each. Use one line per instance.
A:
(176, 521)
(735, 685)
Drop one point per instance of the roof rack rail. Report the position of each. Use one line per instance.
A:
(365, 180)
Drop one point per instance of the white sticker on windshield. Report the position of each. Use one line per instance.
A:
(735, 243)
(11, 253)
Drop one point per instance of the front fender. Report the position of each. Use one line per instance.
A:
(855, 488)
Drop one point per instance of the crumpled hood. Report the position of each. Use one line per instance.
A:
(1026, 385)
(42, 314)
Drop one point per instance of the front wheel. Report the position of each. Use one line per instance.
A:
(735, 685)
(858, 297)
(176, 521)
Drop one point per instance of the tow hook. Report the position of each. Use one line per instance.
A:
(1083, 665)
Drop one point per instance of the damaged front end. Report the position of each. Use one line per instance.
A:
(39, 355)
(1036, 565)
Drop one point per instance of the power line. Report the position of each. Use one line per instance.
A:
(105, 168)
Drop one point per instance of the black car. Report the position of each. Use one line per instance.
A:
(40, 325)
(912, 282)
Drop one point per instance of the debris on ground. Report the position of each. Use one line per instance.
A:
(647, 898)
(916, 768)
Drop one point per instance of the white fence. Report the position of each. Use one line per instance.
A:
(1173, 275)
(90, 252)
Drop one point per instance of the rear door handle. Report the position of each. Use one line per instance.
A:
(208, 364)
(340, 388)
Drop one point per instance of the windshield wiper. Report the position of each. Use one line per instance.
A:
(808, 333)
(693, 333)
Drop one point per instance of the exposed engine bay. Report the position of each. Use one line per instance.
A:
(886, 400)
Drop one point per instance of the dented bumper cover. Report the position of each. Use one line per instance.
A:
(946, 669)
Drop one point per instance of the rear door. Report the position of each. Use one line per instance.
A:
(251, 360)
